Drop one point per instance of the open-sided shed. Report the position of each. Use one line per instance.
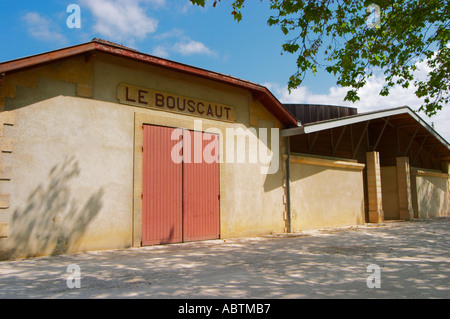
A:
(405, 160)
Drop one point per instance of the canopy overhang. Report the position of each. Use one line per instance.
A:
(382, 124)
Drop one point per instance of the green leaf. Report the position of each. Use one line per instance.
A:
(411, 32)
(198, 2)
(291, 48)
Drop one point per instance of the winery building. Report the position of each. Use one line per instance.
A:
(105, 147)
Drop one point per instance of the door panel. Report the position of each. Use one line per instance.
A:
(162, 188)
(201, 187)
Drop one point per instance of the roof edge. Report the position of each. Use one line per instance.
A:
(361, 117)
(268, 99)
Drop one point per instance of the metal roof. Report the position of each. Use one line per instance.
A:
(309, 113)
(401, 116)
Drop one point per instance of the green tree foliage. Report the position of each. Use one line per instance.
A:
(355, 39)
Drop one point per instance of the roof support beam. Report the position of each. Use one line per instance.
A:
(407, 126)
(387, 120)
(351, 136)
(331, 140)
(339, 140)
(440, 154)
(412, 140)
(381, 134)
(420, 150)
(361, 138)
(434, 144)
(313, 142)
(430, 153)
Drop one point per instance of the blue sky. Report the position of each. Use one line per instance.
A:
(207, 37)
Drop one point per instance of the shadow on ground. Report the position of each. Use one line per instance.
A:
(414, 258)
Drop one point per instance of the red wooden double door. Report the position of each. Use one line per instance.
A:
(180, 186)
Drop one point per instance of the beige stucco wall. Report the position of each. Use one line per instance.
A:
(70, 188)
(325, 193)
(389, 192)
(430, 193)
(74, 164)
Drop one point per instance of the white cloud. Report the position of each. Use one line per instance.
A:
(185, 7)
(174, 33)
(161, 51)
(370, 100)
(156, 3)
(183, 45)
(42, 28)
(123, 20)
(190, 47)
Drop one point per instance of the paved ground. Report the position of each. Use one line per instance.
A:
(413, 260)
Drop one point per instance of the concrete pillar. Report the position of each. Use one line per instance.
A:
(445, 166)
(405, 206)
(376, 213)
(414, 194)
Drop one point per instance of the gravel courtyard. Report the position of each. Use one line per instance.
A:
(409, 260)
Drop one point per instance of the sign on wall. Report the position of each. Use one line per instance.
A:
(152, 99)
